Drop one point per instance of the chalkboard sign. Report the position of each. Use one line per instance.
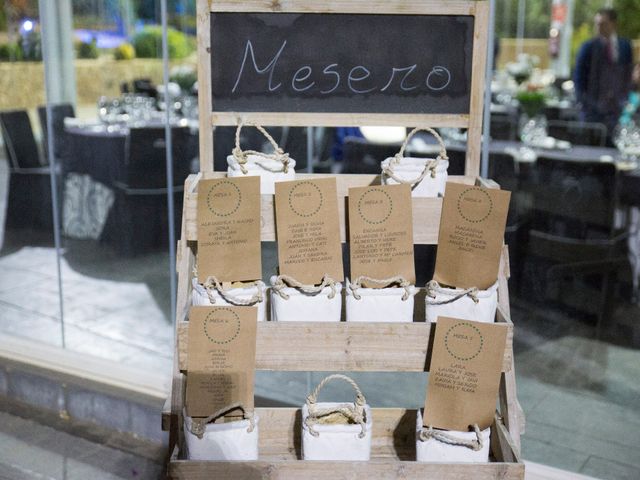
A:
(342, 63)
(366, 63)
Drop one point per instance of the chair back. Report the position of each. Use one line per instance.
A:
(58, 113)
(361, 156)
(503, 126)
(145, 163)
(503, 169)
(575, 199)
(579, 133)
(294, 142)
(19, 140)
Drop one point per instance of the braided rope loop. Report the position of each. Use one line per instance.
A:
(242, 156)
(476, 445)
(353, 412)
(429, 168)
(433, 288)
(357, 284)
(212, 285)
(199, 425)
(284, 281)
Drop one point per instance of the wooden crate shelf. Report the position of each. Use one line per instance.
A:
(342, 346)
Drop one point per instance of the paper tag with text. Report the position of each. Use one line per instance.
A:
(221, 358)
(381, 233)
(471, 236)
(229, 229)
(464, 376)
(308, 228)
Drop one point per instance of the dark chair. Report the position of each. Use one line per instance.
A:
(579, 133)
(573, 233)
(361, 156)
(503, 126)
(323, 149)
(145, 86)
(457, 161)
(140, 217)
(504, 170)
(294, 142)
(60, 144)
(29, 202)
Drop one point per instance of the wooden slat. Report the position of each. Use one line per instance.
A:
(479, 62)
(405, 7)
(426, 211)
(204, 82)
(374, 469)
(304, 119)
(343, 346)
(392, 452)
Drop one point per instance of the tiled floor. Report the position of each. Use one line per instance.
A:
(31, 451)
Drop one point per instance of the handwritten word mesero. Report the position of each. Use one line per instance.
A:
(333, 76)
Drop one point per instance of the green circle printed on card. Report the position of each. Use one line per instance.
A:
(464, 341)
(475, 205)
(305, 199)
(375, 206)
(222, 326)
(224, 199)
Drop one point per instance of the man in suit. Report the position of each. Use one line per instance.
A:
(603, 72)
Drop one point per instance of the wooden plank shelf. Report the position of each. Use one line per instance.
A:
(392, 454)
(426, 211)
(344, 346)
(341, 346)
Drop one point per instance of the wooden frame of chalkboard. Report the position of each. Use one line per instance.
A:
(308, 111)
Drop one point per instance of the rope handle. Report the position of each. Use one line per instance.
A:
(429, 168)
(434, 288)
(439, 435)
(242, 156)
(199, 425)
(357, 284)
(283, 281)
(443, 148)
(353, 412)
(212, 285)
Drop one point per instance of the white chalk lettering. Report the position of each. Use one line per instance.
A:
(302, 78)
(271, 66)
(352, 79)
(442, 78)
(327, 70)
(404, 79)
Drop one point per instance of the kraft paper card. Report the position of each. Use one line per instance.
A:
(381, 233)
(471, 236)
(221, 358)
(308, 228)
(229, 229)
(465, 374)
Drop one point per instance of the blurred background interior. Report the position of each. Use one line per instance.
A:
(88, 216)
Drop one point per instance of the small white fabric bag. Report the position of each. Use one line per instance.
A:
(427, 176)
(236, 440)
(292, 301)
(271, 168)
(336, 431)
(470, 304)
(451, 446)
(388, 304)
(213, 293)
